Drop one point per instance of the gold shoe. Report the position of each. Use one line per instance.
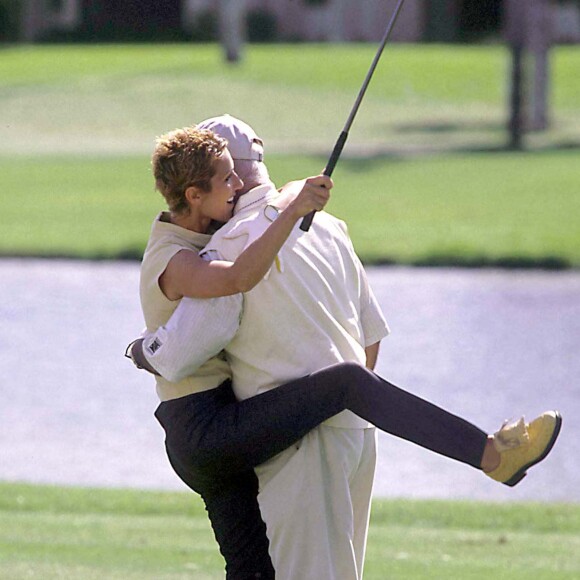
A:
(523, 445)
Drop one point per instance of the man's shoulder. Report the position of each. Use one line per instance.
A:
(329, 221)
(237, 226)
(234, 236)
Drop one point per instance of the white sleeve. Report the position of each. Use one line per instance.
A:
(373, 322)
(198, 330)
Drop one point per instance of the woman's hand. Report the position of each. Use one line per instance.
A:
(302, 197)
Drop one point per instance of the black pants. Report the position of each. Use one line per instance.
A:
(213, 443)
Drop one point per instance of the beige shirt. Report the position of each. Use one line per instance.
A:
(165, 241)
(314, 308)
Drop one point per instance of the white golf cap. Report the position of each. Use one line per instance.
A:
(243, 143)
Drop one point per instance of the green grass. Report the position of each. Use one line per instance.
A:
(457, 73)
(52, 532)
(471, 209)
(117, 98)
(85, 206)
(423, 178)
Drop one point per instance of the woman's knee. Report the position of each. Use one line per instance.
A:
(355, 370)
(350, 373)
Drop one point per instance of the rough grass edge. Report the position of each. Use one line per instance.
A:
(550, 263)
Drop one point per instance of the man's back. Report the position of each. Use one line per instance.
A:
(313, 309)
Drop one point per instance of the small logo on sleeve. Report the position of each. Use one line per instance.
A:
(154, 346)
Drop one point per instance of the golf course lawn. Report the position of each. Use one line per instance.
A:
(464, 209)
(54, 532)
(425, 177)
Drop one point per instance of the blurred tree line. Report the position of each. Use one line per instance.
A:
(9, 20)
(126, 21)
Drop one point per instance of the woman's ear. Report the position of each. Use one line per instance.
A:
(192, 195)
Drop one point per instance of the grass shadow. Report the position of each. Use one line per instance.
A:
(548, 263)
(441, 127)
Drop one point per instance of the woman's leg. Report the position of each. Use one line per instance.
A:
(233, 511)
(245, 434)
(400, 413)
(238, 527)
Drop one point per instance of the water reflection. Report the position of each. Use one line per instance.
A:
(485, 344)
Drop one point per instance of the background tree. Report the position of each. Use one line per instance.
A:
(232, 28)
(529, 33)
(32, 16)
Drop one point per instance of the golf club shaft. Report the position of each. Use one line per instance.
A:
(339, 145)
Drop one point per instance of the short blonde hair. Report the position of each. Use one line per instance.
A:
(183, 158)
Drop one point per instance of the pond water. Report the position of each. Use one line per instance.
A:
(488, 345)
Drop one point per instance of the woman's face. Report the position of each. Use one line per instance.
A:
(218, 203)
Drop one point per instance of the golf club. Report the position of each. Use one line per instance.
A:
(338, 147)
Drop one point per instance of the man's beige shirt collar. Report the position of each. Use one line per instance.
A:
(255, 198)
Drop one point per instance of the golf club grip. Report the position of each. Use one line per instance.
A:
(334, 156)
